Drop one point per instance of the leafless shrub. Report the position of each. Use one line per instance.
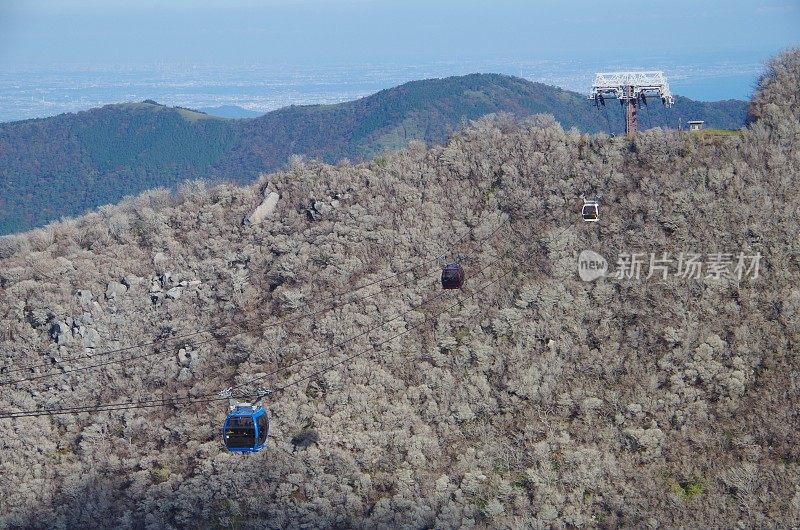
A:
(11, 245)
(776, 97)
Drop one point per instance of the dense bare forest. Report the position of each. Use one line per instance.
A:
(529, 399)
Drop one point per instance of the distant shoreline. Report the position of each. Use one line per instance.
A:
(41, 92)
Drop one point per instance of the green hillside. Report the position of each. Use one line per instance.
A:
(64, 165)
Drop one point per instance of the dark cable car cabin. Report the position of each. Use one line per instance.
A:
(245, 429)
(590, 212)
(452, 276)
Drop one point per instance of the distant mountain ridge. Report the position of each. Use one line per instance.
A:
(64, 165)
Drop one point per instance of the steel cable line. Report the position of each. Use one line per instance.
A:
(110, 407)
(226, 326)
(426, 302)
(479, 271)
(347, 359)
(330, 348)
(458, 242)
(664, 129)
(200, 343)
(184, 401)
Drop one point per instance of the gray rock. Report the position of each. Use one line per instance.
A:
(184, 358)
(184, 375)
(155, 286)
(322, 207)
(60, 332)
(131, 281)
(166, 279)
(90, 338)
(115, 289)
(317, 209)
(335, 203)
(84, 296)
(194, 361)
(175, 293)
(264, 209)
(159, 259)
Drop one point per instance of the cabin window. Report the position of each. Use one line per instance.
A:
(263, 428)
(240, 432)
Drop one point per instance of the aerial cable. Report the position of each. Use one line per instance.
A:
(195, 343)
(426, 302)
(646, 115)
(460, 301)
(225, 326)
(189, 401)
(304, 359)
(185, 401)
(480, 272)
(179, 401)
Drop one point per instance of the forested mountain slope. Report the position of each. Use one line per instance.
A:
(62, 166)
(531, 399)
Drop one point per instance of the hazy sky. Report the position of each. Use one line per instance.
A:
(90, 32)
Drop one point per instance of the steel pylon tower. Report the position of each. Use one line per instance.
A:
(630, 88)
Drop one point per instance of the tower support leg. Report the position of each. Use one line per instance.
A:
(630, 112)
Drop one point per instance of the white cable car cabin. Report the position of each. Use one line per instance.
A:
(590, 211)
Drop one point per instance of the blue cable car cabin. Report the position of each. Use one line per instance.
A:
(245, 429)
(452, 276)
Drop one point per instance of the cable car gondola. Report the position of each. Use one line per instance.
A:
(590, 211)
(246, 428)
(452, 276)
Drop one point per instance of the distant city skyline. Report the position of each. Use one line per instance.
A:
(65, 55)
